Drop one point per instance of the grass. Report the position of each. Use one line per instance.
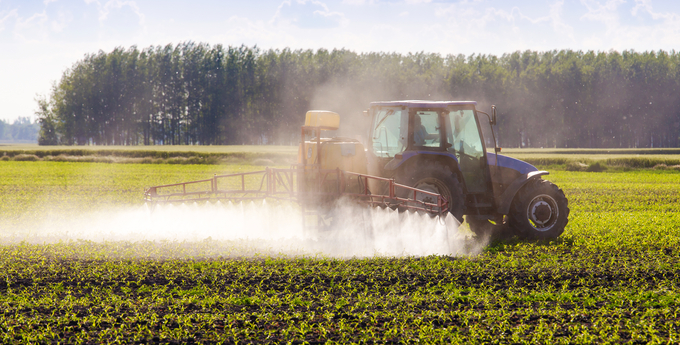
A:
(31, 191)
(159, 148)
(614, 158)
(571, 159)
(612, 277)
(161, 154)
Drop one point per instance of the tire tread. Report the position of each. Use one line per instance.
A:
(517, 217)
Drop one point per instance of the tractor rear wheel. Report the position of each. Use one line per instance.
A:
(437, 178)
(539, 211)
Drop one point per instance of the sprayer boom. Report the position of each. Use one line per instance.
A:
(306, 187)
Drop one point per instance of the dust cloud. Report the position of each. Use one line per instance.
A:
(256, 229)
(351, 98)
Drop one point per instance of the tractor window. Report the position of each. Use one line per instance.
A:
(466, 143)
(426, 129)
(463, 133)
(389, 135)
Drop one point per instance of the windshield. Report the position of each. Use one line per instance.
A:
(389, 134)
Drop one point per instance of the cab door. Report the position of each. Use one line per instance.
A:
(466, 143)
(387, 137)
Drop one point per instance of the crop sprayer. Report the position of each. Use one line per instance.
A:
(420, 156)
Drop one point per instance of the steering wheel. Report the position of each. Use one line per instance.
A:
(464, 157)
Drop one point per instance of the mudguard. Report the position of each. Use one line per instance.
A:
(515, 186)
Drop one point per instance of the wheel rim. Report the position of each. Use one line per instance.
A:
(543, 212)
(433, 186)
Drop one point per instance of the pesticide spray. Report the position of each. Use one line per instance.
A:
(260, 228)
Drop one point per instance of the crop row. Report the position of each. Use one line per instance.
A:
(54, 297)
(613, 276)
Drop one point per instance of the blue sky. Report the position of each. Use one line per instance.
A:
(41, 39)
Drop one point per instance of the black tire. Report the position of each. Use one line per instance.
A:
(539, 211)
(438, 178)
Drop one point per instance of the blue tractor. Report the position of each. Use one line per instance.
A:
(439, 147)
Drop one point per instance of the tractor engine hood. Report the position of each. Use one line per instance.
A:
(521, 167)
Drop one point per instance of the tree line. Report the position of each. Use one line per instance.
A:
(22, 130)
(194, 93)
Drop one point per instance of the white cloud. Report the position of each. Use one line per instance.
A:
(239, 30)
(652, 31)
(474, 26)
(106, 9)
(475, 18)
(118, 4)
(641, 4)
(646, 6)
(459, 11)
(33, 28)
(61, 21)
(358, 2)
(13, 14)
(311, 14)
(558, 24)
(606, 14)
(665, 26)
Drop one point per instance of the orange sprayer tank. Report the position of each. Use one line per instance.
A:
(328, 154)
(336, 153)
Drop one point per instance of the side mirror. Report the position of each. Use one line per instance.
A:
(493, 115)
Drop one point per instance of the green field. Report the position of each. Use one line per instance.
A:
(580, 159)
(161, 154)
(612, 277)
(572, 159)
(28, 189)
(159, 148)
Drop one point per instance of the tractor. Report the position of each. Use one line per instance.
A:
(439, 147)
(418, 156)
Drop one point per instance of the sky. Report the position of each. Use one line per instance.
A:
(41, 39)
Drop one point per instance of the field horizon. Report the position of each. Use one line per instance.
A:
(285, 155)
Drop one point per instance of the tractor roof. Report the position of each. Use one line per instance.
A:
(421, 104)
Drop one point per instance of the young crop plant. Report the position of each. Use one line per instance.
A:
(612, 277)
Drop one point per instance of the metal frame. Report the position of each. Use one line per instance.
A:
(284, 184)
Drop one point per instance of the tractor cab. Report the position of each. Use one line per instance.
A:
(405, 135)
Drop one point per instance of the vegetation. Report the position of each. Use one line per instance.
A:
(574, 160)
(199, 94)
(167, 154)
(598, 159)
(31, 191)
(20, 131)
(611, 277)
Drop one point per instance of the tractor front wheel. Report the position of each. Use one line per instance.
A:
(539, 211)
